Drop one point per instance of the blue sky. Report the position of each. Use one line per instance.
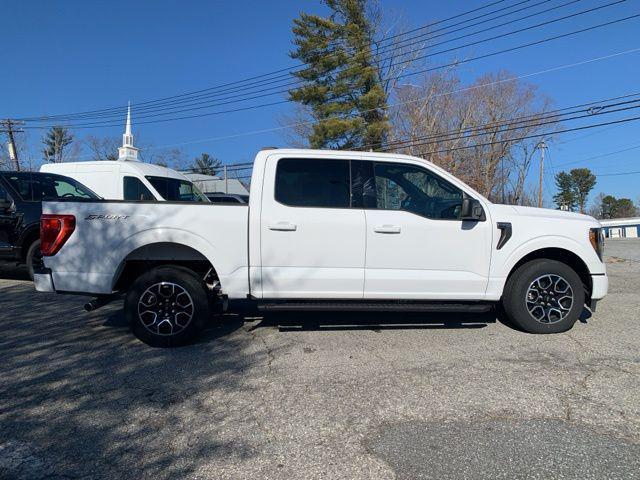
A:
(69, 56)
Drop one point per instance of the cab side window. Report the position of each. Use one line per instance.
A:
(416, 190)
(134, 190)
(320, 183)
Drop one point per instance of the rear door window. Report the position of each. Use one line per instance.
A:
(320, 183)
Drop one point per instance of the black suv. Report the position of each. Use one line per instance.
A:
(21, 196)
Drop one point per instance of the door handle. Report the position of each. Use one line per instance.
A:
(283, 227)
(387, 229)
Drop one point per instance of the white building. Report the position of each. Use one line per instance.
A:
(622, 227)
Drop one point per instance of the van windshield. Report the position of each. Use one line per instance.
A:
(176, 190)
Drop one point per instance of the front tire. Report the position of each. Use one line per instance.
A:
(167, 306)
(544, 296)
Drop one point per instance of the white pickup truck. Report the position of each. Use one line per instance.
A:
(325, 230)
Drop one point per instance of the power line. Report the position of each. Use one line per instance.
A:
(258, 92)
(398, 104)
(513, 32)
(429, 35)
(284, 71)
(452, 92)
(584, 160)
(496, 142)
(538, 135)
(528, 121)
(538, 42)
(616, 174)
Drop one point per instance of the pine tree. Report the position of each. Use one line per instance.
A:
(206, 164)
(56, 140)
(565, 198)
(609, 206)
(341, 83)
(583, 182)
(574, 188)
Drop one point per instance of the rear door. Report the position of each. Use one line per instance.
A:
(7, 222)
(417, 246)
(312, 240)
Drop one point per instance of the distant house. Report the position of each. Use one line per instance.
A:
(621, 227)
(211, 184)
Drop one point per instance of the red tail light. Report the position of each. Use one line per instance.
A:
(55, 230)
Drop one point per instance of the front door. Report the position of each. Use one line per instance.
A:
(312, 240)
(417, 247)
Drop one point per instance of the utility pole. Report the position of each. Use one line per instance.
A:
(542, 146)
(9, 128)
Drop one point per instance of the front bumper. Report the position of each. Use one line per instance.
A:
(600, 286)
(43, 281)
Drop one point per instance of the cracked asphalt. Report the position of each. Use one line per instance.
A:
(338, 396)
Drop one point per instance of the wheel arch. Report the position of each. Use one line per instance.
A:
(143, 258)
(561, 255)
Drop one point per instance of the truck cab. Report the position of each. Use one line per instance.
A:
(130, 180)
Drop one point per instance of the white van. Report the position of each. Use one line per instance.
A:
(128, 180)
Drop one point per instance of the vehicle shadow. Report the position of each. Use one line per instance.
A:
(80, 395)
(501, 317)
(374, 321)
(219, 327)
(13, 272)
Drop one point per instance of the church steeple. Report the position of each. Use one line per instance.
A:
(127, 152)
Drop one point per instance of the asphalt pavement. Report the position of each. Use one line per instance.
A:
(338, 396)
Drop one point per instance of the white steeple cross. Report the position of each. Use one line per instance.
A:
(127, 152)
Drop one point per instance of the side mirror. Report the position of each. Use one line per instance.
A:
(5, 204)
(471, 210)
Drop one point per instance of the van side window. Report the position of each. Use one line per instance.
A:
(320, 183)
(135, 190)
(416, 190)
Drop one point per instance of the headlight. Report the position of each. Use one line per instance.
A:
(596, 237)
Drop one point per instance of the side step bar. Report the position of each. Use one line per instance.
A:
(376, 306)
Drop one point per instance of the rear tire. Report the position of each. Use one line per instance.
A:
(544, 296)
(167, 306)
(34, 258)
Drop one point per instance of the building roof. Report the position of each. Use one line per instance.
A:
(619, 222)
(212, 184)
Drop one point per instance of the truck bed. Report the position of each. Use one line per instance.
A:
(110, 232)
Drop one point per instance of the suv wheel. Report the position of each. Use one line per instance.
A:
(34, 258)
(167, 306)
(544, 296)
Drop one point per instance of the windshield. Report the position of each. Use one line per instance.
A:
(42, 186)
(176, 190)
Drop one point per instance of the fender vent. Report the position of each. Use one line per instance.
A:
(505, 234)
